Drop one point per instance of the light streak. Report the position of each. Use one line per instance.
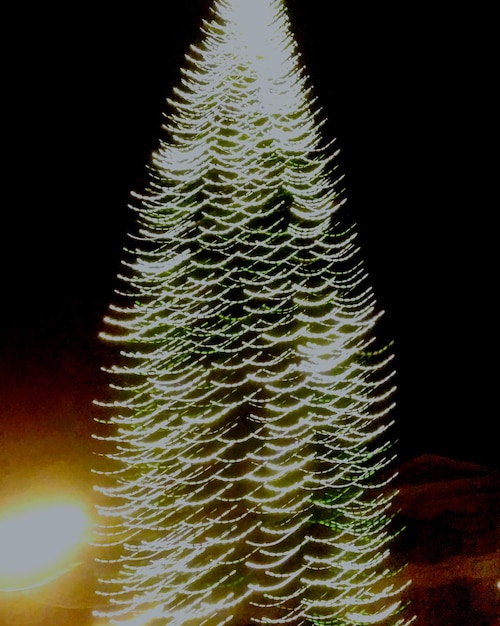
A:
(250, 393)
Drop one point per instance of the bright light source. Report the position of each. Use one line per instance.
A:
(39, 540)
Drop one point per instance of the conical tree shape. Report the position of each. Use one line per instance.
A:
(249, 407)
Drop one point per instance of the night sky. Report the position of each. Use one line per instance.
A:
(409, 98)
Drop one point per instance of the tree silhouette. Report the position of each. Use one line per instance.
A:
(246, 437)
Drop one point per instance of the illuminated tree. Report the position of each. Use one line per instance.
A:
(246, 442)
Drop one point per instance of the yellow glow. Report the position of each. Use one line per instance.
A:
(38, 542)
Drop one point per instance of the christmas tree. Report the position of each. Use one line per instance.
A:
(246, 442)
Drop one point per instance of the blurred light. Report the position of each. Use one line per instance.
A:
(144, 619)
(39, 540)
(141, 620)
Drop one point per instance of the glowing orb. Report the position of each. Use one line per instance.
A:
(38, 542)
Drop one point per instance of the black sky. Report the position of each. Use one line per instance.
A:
(409, 97)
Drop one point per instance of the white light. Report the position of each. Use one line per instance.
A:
(252, 18)
(359, 618)
(38, 541)
(248, 391)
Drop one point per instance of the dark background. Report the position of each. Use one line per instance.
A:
(407, 90)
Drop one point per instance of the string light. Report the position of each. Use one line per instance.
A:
(242, 471)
